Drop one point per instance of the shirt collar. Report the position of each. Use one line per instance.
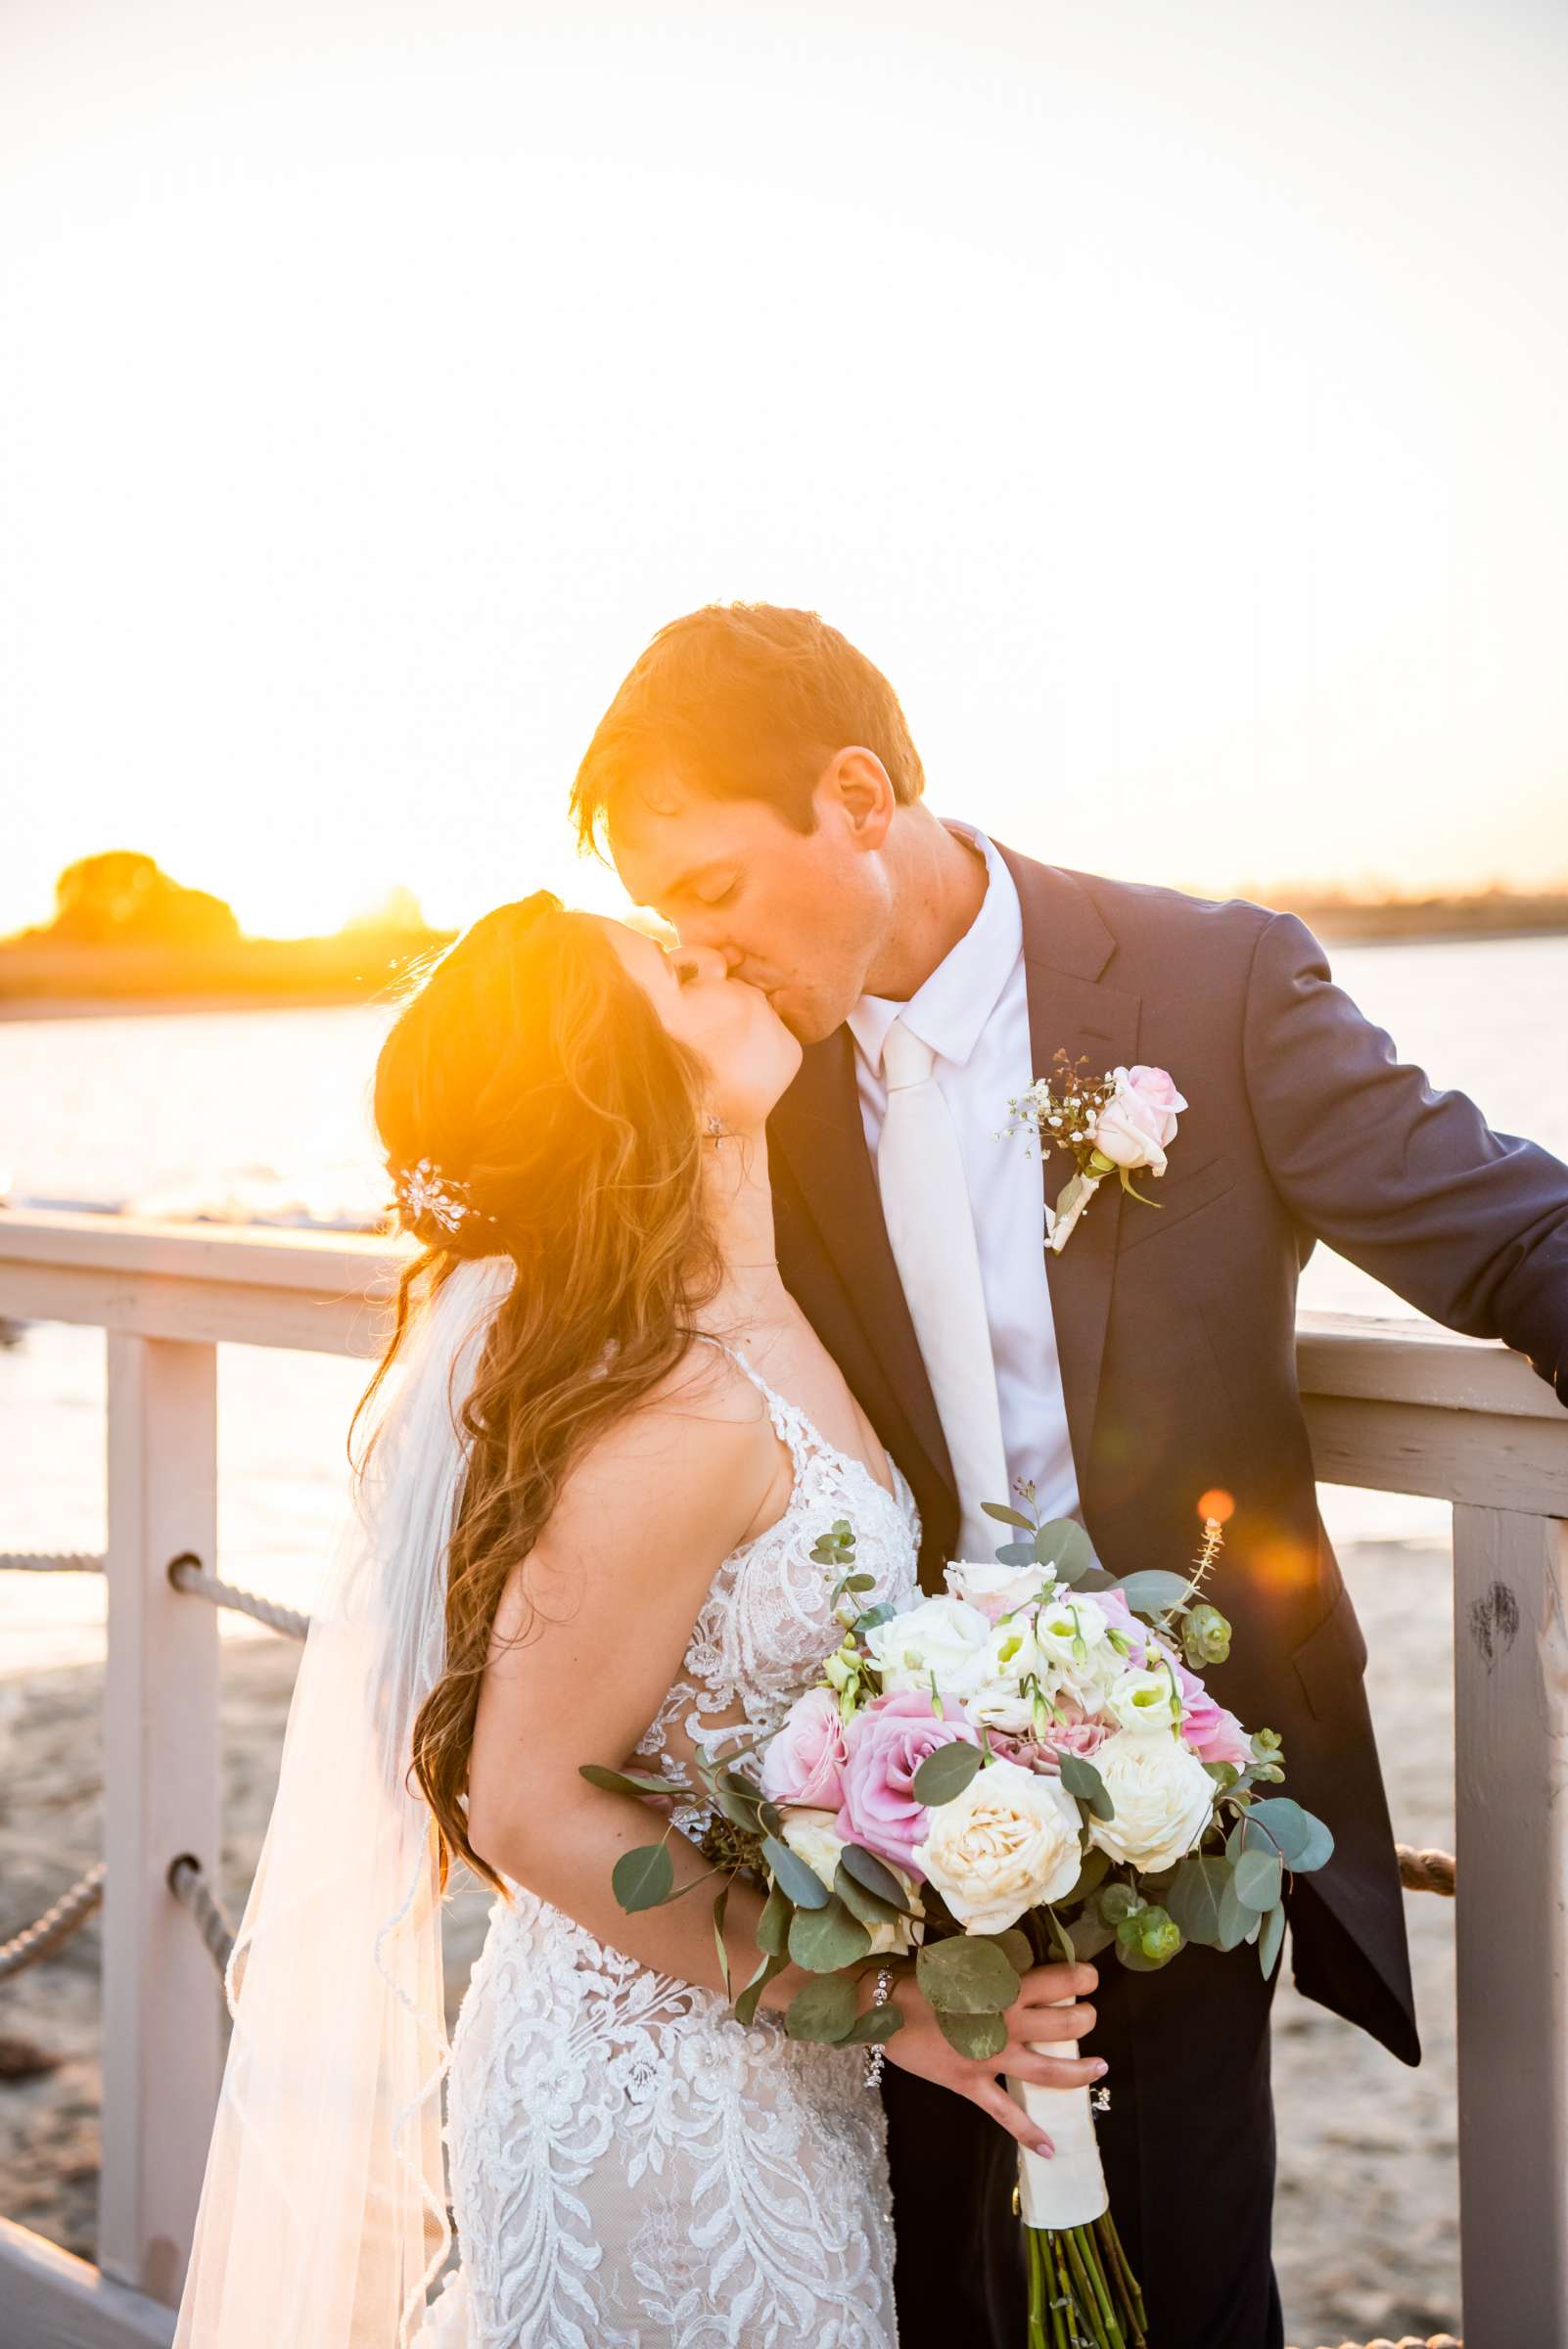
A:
(949, 1011)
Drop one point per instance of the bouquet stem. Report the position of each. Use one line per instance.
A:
(1082, 2288)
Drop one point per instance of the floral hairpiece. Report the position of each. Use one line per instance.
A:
(423, 1191)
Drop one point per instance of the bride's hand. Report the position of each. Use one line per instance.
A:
(1034, 2017)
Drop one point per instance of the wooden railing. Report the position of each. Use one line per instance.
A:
(1398, 1407)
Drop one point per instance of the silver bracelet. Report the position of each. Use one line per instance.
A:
(876, 2055)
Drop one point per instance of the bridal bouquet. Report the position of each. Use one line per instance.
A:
(1028, 1766)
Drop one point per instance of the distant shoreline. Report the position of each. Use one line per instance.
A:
(44, 982)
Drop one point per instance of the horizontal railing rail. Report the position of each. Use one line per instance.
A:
(1396, 1407)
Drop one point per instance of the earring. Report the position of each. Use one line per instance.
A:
(718, 1130)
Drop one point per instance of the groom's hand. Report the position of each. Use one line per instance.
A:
(1049, 2007)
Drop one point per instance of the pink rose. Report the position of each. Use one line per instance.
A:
(1214, 1735)
(1080, 1736)
(1153, 1087)
(887, 1742)
(805, 1760)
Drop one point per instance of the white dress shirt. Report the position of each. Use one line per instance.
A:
(973, 1011)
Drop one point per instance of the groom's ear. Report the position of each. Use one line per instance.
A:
(855, 794)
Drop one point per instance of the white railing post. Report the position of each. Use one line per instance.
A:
(1511, 1648)
(161, 2000)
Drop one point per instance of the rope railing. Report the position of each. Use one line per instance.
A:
(50, 1561)
(192, 1890)
(56, 1926)
(1425, 1871)
(187, 1573)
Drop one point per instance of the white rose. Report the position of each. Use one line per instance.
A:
(1008, 1842)
(944, 1636)
(1142, 1701)
(813, 1836)
(996, 1590)
(1161, 1794)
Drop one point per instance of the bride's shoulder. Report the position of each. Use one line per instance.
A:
(679, 1474)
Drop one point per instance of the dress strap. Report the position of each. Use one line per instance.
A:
(790, 1423)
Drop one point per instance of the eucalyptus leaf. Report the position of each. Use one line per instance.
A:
(630, 1781)
(946, 1771)
(1006, 1516)
(821, 1940)
(770, 1819)
(1304, 1841)
(746, 2004)
(774, 1925)
(1090, 1875)
(883, 1612)
(822, 2010)
(720, 1904)
(874, 2027)
(1234, 1915)
(1089, 1936)
(1066, 1549)
(737, 1801)
(1015, 1553)
(1194, 1899)
(643, 1878)
(1014, 1945)
(1154, 1592)
(801, 1885)
(1117, 1902)
(1131, 1956)
(965, 1976)
(1081, 1779)
(879, 1880)
(977, 2036)
(1258, 1879)
(859, 1903)
(1269, 1941)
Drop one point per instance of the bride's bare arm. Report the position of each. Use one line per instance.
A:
(584, 1653)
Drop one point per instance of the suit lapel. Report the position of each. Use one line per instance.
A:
(818, 1130)
(1066, 947)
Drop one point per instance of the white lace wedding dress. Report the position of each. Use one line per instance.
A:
(631, 2167)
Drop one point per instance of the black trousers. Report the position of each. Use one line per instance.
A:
(1188, 2147)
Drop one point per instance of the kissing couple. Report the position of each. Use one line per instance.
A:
(721, 1246)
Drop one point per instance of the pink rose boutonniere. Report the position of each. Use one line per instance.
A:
(1120, 1123)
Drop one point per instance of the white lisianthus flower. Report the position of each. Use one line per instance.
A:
(996, 1590)
(1162, 1795)
(1012, 1657)
(1141, 1700)
(1067, 1627)
(944, 1638)
(1008, 1842)
(813, 1836)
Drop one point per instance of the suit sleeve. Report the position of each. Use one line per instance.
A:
(1469, 1226)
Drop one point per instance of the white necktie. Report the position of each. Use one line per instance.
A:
(925, 1203)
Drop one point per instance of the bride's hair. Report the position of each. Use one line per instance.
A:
(531, 1104)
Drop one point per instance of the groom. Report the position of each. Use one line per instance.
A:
(756, 782)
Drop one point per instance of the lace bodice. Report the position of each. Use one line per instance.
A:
(768, 1622)
(631, 2168)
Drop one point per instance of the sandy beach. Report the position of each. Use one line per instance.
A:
(1367, 2194)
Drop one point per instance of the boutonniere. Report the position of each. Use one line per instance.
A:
(1120, 1124)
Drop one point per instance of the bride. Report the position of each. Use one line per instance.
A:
(606, 1443)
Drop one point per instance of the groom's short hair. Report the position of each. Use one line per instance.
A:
(745, 702)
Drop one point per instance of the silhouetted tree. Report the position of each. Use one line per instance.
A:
(125, 899)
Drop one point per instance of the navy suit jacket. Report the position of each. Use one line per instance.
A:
(1177, 1330)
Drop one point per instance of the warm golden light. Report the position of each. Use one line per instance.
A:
(1182, 438)
(1217, 1504)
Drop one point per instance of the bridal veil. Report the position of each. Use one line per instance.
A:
(323, 2214)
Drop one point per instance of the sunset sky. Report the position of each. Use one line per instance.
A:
(1169, 398)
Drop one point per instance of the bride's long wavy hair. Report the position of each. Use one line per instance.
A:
(530, 1084)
